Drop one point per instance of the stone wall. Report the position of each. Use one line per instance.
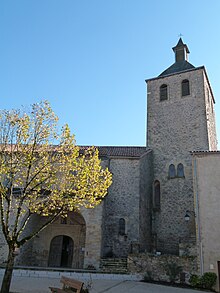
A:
(154, 267)
(93, 244)
(176, 126)
(146, 180)
(210, 114)
(207, 195)
(122, 201)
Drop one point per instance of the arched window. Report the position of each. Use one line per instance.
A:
(121, 226)
(172, 171)
(157, 194)
(163, 92)
(180, 170)
(185, 87)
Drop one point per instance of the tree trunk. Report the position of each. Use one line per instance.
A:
(6, 282)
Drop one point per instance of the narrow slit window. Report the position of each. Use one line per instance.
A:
(185, 88)
(163, 92)
(121, 226)
(157, 194)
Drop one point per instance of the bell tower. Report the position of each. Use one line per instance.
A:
(180, 119)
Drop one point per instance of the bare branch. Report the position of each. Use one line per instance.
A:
(32, 235)
(23, 225)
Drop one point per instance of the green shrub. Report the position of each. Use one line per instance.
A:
(148, 276)
(173, 270)
(195, 281)
(208, 280)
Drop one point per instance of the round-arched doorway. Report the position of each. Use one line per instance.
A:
(61, 252)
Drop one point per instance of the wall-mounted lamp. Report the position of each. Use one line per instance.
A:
(187, 215)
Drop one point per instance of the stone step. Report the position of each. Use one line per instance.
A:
(114, 260)
(114, 265)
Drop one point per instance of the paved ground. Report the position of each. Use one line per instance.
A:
(23, 284)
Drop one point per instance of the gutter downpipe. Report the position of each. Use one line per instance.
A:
(198, 216)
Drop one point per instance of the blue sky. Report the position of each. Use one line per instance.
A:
(90, 59)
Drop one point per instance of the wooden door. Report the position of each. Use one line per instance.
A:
(55, 251)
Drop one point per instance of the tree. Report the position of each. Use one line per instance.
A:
(43, 172)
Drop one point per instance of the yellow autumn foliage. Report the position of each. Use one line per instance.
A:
(43, 171)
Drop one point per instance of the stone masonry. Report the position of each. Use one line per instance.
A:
(123, 201)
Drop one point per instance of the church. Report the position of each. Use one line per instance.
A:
(164, 198)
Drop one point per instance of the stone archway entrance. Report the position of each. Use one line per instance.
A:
(61, 252)
(61, 244)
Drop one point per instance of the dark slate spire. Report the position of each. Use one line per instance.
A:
(181, 59)
(181, 51)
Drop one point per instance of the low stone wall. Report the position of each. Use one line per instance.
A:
(154, 267)
(56, 274)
